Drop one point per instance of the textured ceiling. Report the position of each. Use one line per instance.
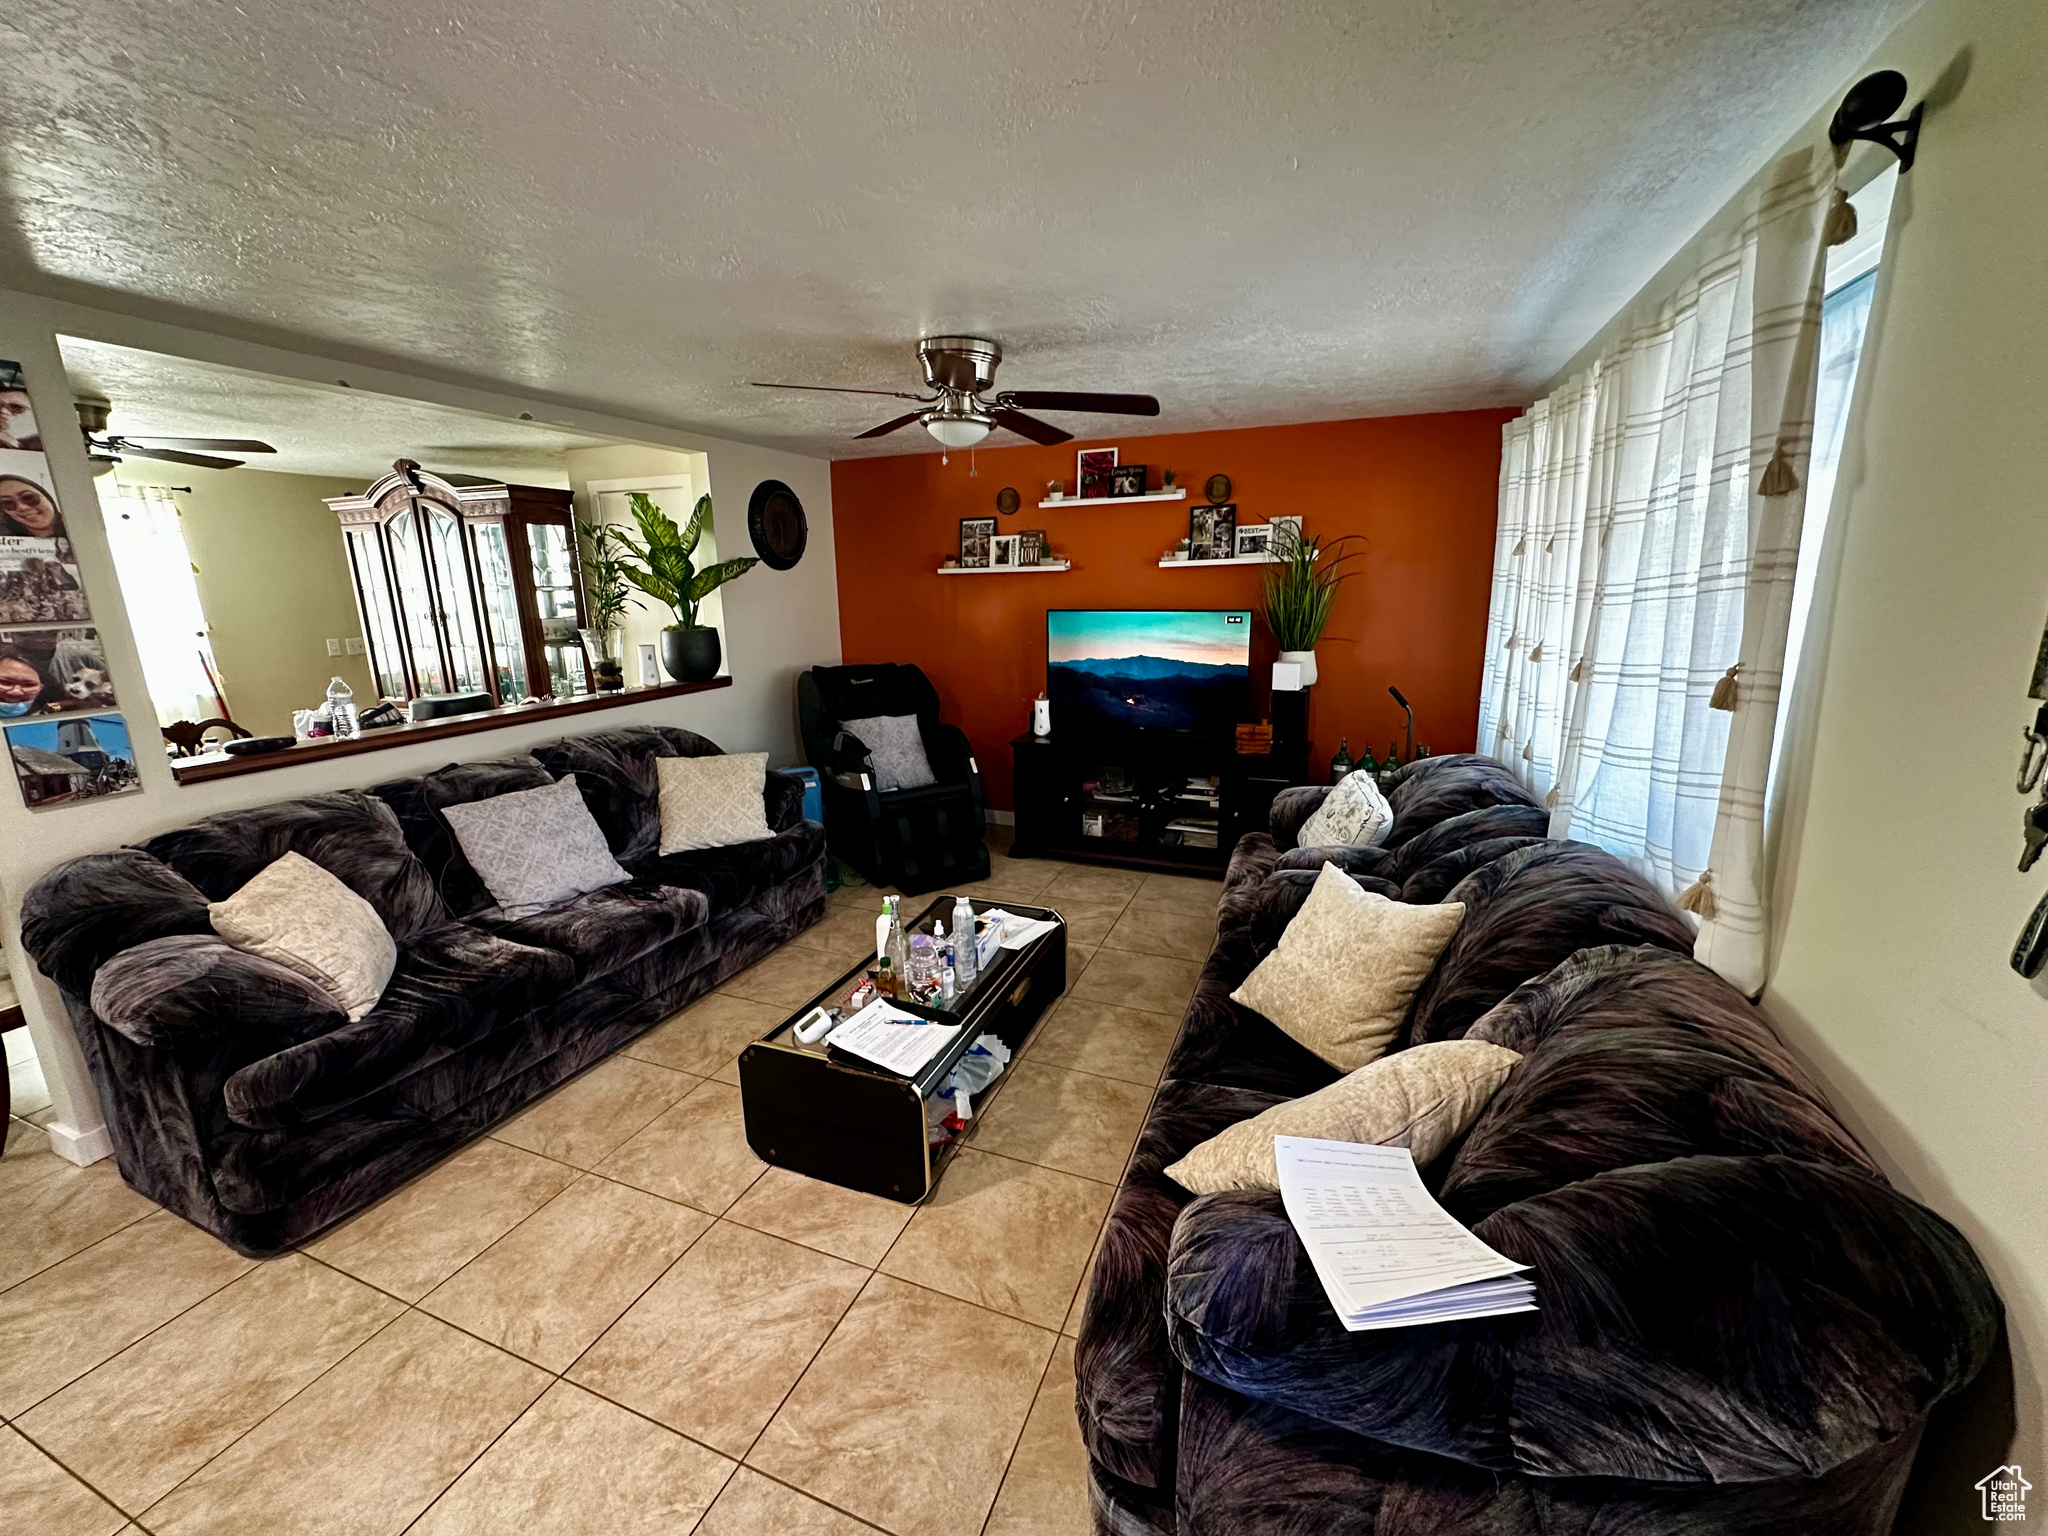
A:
(1260, 210)
(315, 430)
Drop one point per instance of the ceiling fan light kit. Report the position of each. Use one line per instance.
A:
(960, 371)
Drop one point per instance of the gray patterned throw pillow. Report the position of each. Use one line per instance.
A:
(896, 747)
(535, 848)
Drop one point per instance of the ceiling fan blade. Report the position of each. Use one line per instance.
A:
(836, 389)
(206, 444)
(174, 456)
(1082, 400)
(1030, 426)
(889, 426)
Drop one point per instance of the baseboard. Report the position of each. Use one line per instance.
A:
(1002, 818)
(80, 1147)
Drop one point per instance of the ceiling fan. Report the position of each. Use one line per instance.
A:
(960, 413)
(104, 447)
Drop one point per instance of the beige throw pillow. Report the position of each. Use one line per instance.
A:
(300, 916)
(1346, 968)
(713, 802)
(1422, 1098)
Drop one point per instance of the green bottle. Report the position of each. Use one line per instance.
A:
(1341, 764)
(1393, 761)
(1368, 767)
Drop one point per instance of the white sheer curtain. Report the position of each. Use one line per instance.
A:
(1651, 511)
(155, 570)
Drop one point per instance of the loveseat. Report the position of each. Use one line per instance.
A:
(1742, 1326)
(239, 1095)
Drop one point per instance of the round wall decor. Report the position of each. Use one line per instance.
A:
(1218, 489)
(1007, 500)
(775, 522)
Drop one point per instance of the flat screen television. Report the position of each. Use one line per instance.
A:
(1122, 670)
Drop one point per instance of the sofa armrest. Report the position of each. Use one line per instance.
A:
(188, 988)
(1292, 807)
(82, 914)
(783, 799)
(1357, 862)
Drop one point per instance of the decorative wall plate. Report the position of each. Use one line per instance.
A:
(1007, 500)
(1218, 489)
(776, 523)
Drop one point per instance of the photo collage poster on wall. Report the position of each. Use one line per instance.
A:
(56, 668)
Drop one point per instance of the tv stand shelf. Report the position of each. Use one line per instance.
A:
(1139, 786)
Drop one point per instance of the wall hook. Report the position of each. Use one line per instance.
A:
(1863, 114)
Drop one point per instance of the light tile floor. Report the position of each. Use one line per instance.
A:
(608, 1315)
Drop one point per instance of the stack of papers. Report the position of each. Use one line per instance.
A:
(1018, 931)
(887, 1036)
(1388, 1255)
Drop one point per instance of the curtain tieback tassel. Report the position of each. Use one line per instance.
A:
(1549, 544)
(1529, 753)
(1536, 651)
(1724, 691)
(1778, 478)
(1699, 897)
(1840, 227)
(1520, 544)
(1550, 800)
(1578, 674)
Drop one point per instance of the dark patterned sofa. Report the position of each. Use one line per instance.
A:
(1742, 1326)
(241, 1097)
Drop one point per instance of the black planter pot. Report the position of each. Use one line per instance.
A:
(691, 655)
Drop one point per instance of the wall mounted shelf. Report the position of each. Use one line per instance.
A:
(1199, 565)
(1179, 493)
(1045, 568)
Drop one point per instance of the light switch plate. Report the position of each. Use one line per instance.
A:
(334, 647)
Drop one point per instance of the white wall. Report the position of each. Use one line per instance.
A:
(778, 623)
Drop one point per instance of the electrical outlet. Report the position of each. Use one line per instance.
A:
(334, 647)
(356, 646)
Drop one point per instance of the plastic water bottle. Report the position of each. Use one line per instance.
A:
(341, 709)
(964, 968)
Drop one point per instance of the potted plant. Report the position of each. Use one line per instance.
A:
(1301, 588)
(604, 574)
(667, 574)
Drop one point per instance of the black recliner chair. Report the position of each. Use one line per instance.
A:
(914, 839)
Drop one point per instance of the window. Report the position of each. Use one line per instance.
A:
(156, 574)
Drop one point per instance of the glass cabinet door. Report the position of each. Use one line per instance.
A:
(416, 602)
(380, 619)
(501, 610)
(459, 620)
(556, 609)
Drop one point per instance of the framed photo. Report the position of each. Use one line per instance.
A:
(17, 416)
(1253, 539)
(1031, 546)
(1127, 480)
(1285, 531)
(1092, 470)
(53, 672)
(61, 762)
(1212, 532)
(1003, 552)
(975, 535)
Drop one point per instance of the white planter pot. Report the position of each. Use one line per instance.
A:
(1306, 660)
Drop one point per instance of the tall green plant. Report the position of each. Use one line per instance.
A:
(604, 574)
(666, 572)
(1302, 588)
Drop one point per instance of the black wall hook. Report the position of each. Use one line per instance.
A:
(1863, 114)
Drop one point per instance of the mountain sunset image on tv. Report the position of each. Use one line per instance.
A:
(1148, 669)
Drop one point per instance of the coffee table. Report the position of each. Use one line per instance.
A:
(818, 1111)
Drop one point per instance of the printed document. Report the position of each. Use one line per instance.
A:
(1388, 1255)
(889, 1037)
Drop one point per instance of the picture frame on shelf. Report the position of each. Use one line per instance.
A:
(1254, 539)
(1212, 532)
(1092, 470)
(1003, 552)
(975, 536)
(1284, 531)
(1127, 480)
(1030, 546)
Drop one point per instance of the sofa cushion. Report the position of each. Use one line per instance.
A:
(1455, 832)
(189, 990)
(453, 985)
(419, 804)
(301, 917)
(1436, 879)
(1353, 814)
(83, 913)
(604, 930)
(615, 772)
(716, 801)
(896, 748)
(1342, 975)
(734, 877)
(1526, 912)
(1437, 788)
(534, 848)
(350, 833)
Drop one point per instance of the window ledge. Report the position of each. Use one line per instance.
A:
(219, 765)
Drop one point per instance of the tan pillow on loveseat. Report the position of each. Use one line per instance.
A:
(1423, 1098)
(1346, 968)
(296, 914)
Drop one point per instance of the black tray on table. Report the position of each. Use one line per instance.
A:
(830, 1115)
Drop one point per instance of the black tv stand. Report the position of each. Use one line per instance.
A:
(1128, 800)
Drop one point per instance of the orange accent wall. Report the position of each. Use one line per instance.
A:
(1423, 490)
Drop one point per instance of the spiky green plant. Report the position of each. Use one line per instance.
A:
(666, 572)
(604, 574)
(1302, 588)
